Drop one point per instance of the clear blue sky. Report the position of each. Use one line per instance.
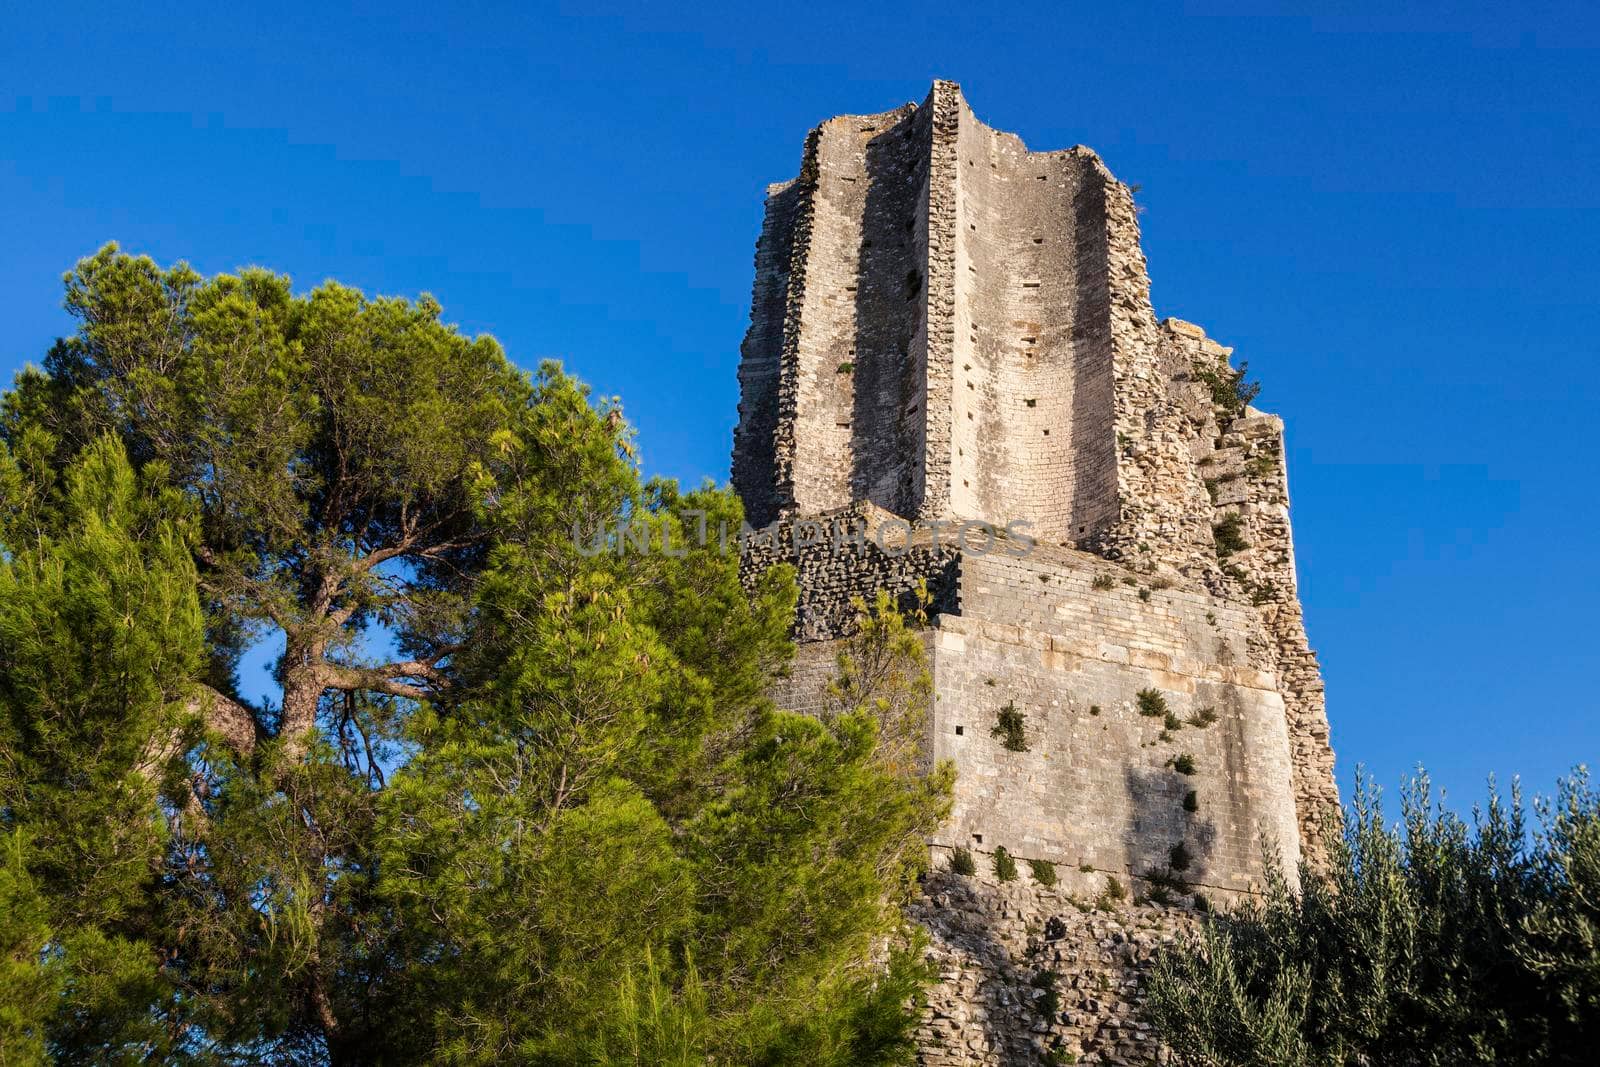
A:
(1395, 219)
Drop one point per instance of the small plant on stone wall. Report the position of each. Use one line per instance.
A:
(1262, 467)
(1229, 535)
(1203, 718)
(1094, 709)
(1130, 581)
(1005, 868)
(1114, 891)
(1263, 592)
(961, 863)
(846, 367)
(1230, 392)
(1103, 582)
(1060, 1057)
(1202, 904)
(1191, 802)
(1173, 723)
(1044, 872)
(1144, 594)
(1178, 857)
(1152, 704)
(1011, 727)
(1184, 764)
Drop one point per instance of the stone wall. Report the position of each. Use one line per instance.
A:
(1103, 783)
(995, 946)
(1071, 642)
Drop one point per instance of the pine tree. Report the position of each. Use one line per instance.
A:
(563, 823)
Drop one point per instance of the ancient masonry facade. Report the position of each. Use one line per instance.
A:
(947, 328)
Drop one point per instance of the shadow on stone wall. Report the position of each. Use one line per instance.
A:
(964, 922)
(890, 283)
(1160, 822)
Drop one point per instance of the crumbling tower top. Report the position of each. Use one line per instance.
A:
(933, 326)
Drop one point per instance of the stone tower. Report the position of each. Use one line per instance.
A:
(947, 327)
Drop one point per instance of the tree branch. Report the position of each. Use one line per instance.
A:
(235, 722)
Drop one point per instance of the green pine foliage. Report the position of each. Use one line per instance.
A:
(100, 633)
(961, 863)
(1433, 940)
(562, 823)
(1044, 872)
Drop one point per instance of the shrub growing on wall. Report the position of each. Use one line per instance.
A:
(1005, 868)
(1152, 704)
(1011, 727)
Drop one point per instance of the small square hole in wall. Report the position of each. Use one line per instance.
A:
(977, 839)
(961, 731)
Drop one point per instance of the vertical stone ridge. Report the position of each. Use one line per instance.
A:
(785, 456)
(944, 105)
(755, 437)
(1162, 506)
(1248, 478)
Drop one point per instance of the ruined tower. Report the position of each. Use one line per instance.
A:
(947, 327)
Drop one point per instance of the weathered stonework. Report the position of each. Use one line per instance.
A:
(947, 327)
(993, 942)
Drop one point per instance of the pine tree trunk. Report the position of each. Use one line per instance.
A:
(302, 689)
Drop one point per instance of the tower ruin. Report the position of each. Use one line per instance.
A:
(948, 329)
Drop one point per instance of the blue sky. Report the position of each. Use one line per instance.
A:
(1393, 217)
